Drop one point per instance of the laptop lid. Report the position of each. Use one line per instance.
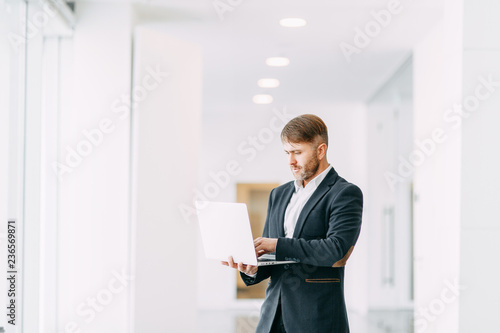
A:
(225, 231)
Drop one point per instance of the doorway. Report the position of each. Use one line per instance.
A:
(255, 196)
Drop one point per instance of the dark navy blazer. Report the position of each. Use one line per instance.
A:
(312, 291)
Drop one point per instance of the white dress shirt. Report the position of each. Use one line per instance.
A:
(299, 199)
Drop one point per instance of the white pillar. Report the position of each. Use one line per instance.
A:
(457, 227)
(166, 138)
(436, 188)
(480, 165)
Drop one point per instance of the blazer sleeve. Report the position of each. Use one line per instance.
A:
(343, 230)
(264, 271)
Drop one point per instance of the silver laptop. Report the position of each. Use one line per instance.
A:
(225, 231)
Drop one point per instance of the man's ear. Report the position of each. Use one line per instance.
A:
(321, 151)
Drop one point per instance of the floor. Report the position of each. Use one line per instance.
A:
(245, 321)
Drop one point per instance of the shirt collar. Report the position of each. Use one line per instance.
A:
(314, 183)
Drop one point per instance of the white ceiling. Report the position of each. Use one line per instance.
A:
(235, 48)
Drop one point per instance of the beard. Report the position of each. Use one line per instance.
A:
(308, 170)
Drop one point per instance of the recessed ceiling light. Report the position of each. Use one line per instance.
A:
(268, 83)
(262, 99)
(277, 61)
(293, 22)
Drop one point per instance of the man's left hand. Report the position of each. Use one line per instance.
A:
(265, 245)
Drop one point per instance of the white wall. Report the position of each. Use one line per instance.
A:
(94, 198)
(227, 128)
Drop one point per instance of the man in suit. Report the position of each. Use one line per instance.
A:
(315, 221)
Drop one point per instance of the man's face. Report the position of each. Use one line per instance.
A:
(303, 159)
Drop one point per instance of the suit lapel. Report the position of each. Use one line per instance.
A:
(285, 199)
(322, 189)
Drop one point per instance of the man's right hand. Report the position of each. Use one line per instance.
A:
(247, 269)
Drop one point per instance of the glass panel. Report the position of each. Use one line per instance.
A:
(12, 92)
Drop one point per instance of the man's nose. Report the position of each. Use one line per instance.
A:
(291, 159)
